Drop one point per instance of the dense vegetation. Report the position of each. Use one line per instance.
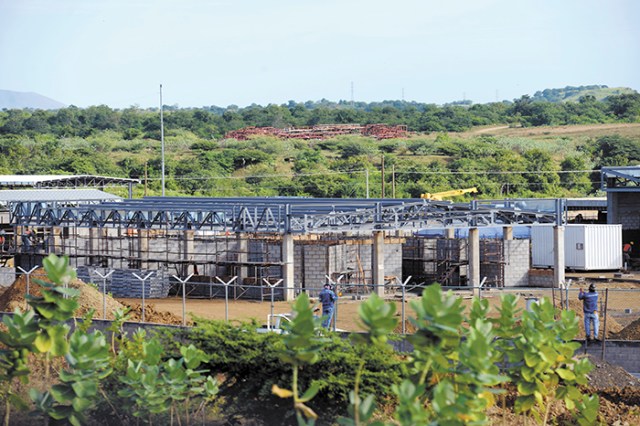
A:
(462, 363)
(436, 157)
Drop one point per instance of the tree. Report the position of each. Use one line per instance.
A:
(576, 176)
(541, 172)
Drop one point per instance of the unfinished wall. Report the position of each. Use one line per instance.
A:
(518, 263)
(541, 278)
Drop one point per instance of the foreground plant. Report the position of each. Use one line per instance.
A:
(155, 386)
(302, 346)
(539, 352)
(43, 330)
(377, 318)
(22, 330)
(452, 379)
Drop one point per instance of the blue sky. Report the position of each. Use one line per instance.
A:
(223, 52)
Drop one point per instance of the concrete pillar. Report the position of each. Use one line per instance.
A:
(55, 240)
(558, 256)
(94, 245)
(378, 263)
(288, 267)
(507, 233)
(474, 260)
(612, 203)
(143, 248)
(243, 257)
(187, 252)
(450, 233)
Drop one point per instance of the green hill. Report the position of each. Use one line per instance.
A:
(573, 93)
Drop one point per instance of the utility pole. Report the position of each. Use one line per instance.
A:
(352, 94)
(146, 163)
(393, 181)
(162, 138)
(366, 177)
(382, 168)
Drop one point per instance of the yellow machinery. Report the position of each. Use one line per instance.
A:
(439, 196)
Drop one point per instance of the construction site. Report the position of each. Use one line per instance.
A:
(258, 247)
(321, 132)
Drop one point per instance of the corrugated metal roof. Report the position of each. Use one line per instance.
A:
(593, 202)
(61, 180)
(68, 195)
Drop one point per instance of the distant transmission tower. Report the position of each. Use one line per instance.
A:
(352, 94)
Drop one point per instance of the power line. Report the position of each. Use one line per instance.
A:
(397, 172)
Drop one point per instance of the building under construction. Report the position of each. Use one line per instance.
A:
(254, 244)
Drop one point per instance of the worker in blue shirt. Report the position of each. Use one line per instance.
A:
(590, 310)
(328, 298)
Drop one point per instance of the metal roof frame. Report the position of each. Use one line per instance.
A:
(620, 179)
(74, 195)
(277, 214)
(62, 181)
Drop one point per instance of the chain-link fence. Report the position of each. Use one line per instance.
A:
(269, 302)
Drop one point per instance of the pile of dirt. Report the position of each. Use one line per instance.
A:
(605, 375)
(630, 332)
(613, 326)
(90, 298)
(151, 314)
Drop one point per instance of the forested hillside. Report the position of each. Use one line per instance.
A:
(496, 147)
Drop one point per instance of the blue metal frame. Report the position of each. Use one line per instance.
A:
(278, 215)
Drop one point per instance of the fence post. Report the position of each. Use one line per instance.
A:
(28, 274)
(184, 297)
(226, 296)
(142, 280)
(566, 299)
(604, 325)
(480, 287)
(404, 285)
(272, 286)
(104, 291)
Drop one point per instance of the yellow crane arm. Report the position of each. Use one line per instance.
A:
(439, 196)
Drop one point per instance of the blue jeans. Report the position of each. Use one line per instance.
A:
(588, 319)
(327, 315)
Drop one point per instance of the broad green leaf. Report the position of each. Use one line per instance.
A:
(565, 374)
(310, 393)
(43, 343)
(62, 393)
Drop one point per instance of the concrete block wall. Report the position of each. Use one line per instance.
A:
(122, 282)
(626, 210)
(316, 263)
(208, 251)
(541, 278)
(623, 353)
(393, 260)
(518, 263)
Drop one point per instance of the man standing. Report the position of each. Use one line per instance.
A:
(626, 251)
(327, 297)
(590, 309)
